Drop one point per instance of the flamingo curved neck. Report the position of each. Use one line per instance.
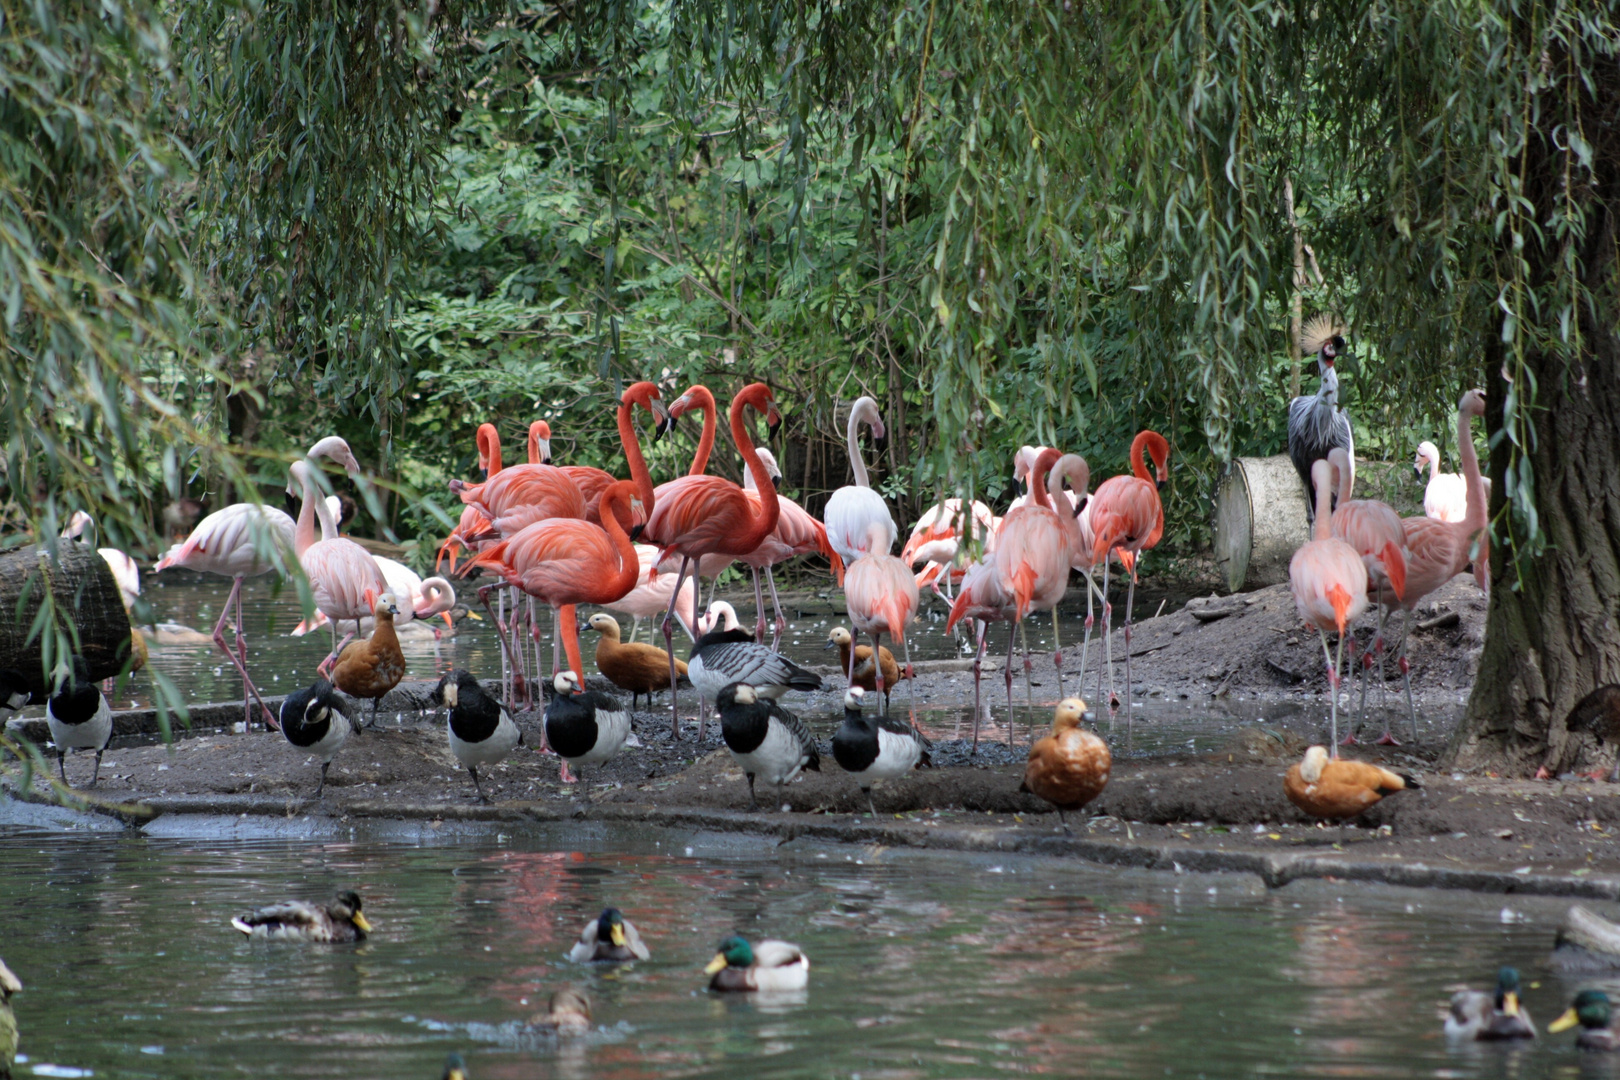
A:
(631, 441)
(1073, 468)
(539, 442)
(489, 448)
(1323, 529)
(1345, 472)
(763, 522)
(621, 583)
(1469, 460)
(705, 403)
(852, 435)
(313, 509)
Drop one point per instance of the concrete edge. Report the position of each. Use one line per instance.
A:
(1274, 869)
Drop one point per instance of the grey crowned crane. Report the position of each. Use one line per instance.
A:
(1316, 423)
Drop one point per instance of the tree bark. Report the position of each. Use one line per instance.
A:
(1553, 630)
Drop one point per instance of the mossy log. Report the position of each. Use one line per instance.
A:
(84, 590)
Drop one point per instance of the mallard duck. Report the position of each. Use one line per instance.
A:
(1068, 767)
(770, 965)
(79, 718)
(455, 1069)
(1339, 789)
(481, 730)
(610, 936)
(312, 719)
(1487, 1017)
(764, 739)
(296, 920)
(8, 1020)
(872, 748)
(567, 1013)
(1590, 1010)
(585, 727)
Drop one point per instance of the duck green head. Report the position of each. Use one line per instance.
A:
(733, 952)
(1590, 1010)
(1507, 991)
(455, 1068)
(610, 926)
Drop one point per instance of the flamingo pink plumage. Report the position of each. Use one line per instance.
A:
(473, 522)
(593, 482)
(984, 599)
(1329, 582)
(699, 398)
(343, 577)
(705, 515)
(796, 533)
(652, 593)
(881, 594)
(1127, 517)
(242, 541)
(937, 537)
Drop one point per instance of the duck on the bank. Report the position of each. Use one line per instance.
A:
(1339, 789)
(481, 730)
(1487, 1017)
(455, 1068)
(866, 673)
(567, 1013)
(371, 668)
(770, 965)
(312, 719)
(9, 985)
(585, 727)
(339, 920)
(609, 936)
(1069, 766)
(729, 654)
(1590, 1010)
(764, 739)
(638, 668)
(14, 691)
(79, 718)
(872, 748)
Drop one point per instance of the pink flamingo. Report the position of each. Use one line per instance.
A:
(519, 496)
(705, 515)
(593, 482)
(345, 580)
(1329, 582)
(1437, 551)
(1445, 496)
(796, 533)
(241, 541)
(653, 592)
(1037, 543)
(937, 536)
(567, 561)
(882, 597)
(473, 522)
(852, 510)
(984, 599)
(697, 397)
(419, 600)
(1374, 530)
(1126, 516)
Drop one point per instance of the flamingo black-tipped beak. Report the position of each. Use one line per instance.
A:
(772, 426)
(665, 425)
(1162, 484)
(635, 531)
(1080, 507)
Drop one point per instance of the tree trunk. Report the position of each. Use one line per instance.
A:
(85, 591)
(1556, 636)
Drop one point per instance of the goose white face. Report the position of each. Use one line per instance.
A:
(567, 683)
(448, 693)
(746, 695)
(854, 698)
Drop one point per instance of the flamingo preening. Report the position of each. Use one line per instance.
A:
(1127, 517)
(241, 541)
(852, 510)
(1329, 582)
(705, 515)
(937, 537)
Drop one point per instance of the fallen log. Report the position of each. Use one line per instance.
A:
(84, 591)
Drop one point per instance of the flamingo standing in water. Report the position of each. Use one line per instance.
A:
(1329, 582)
(419, 599)
(882, 597)
(1126, 516)
(1037, 543)
(567, 561)
(937, 538)
(855, 508)
(240, 542)
(796, 533)
(984, 599)
(345, 580)
(705, 515)
(1374, 530)
(1437, 551)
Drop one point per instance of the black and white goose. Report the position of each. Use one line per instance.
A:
(14, 689)
(729, 654)
(313, 719)
(584, 727)
(79, 718)
(765, 739)
(872, 748)
(481, 730)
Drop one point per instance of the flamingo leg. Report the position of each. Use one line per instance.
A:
(1333, 689)
(877, 667)
(776, 605)
(241, 655)
(1085, 646)
(669, 647)
(499, 616)
(1387, 739)
(911, 683)
(1057, 652)
(1012, 643)
(1130, 710)
(1029, 688)
(635, 627)
(1108, 649)
(238, 663)
(500, 596)
(1406, 672)
(1363, 671)
(978, 668)
(759, 609)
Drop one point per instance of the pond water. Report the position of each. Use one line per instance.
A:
(922, 965)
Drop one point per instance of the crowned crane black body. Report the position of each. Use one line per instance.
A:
(1316, 423)
(765, 739)
(313, 719)
(79, 718)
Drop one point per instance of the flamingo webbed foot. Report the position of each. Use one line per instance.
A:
(1386, 739)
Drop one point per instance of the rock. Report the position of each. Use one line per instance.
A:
(1586, 942)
